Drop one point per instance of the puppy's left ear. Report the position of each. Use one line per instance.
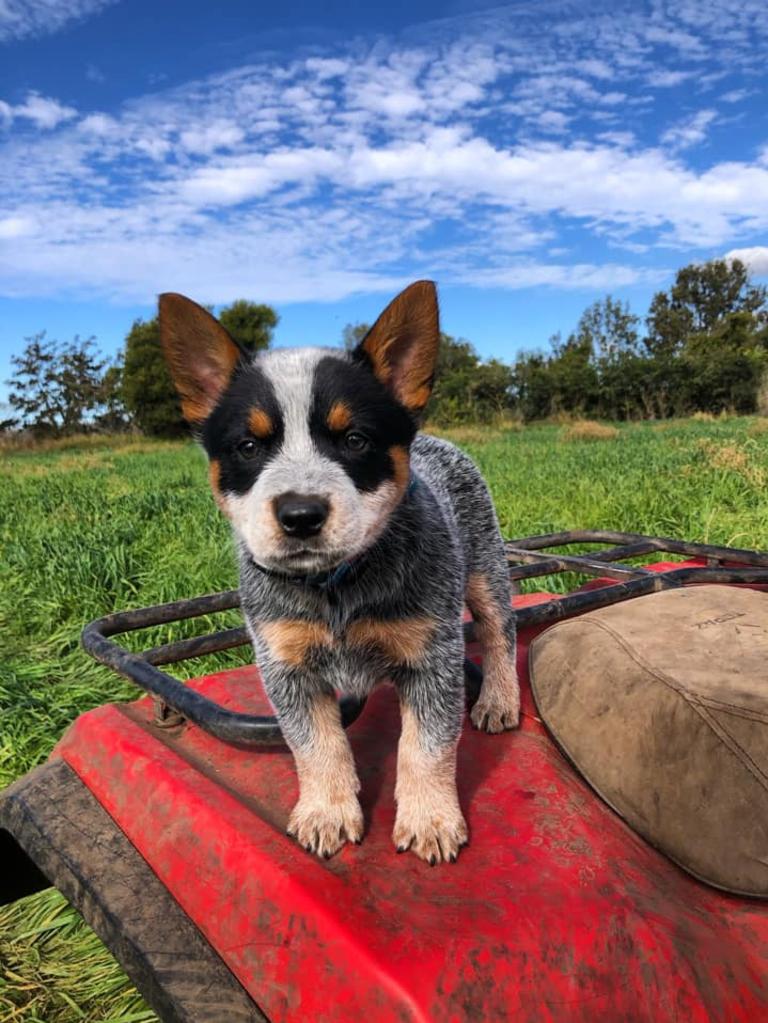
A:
(401, 347)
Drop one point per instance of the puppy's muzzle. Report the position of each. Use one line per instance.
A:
(301, 515)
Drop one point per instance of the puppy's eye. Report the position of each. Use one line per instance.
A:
(355, 441)
(248, 448)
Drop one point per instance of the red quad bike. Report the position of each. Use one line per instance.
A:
(165, 827)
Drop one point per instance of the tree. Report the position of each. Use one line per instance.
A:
(353, 334)
(711, 291)
(31, 395)
(147, 389)
(78, 379)
(249, 323)
(467, 389)
(572, 373)
(56, 388)
(532, 385)
(702, 297)
(668, 325)
(114, 415)
(609, 329)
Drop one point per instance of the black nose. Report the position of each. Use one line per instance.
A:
(301, 515)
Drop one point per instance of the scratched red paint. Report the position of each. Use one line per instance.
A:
(555, 912)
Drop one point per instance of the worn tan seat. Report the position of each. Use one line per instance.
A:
(662, 704)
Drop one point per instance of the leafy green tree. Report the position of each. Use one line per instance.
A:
(147, 389)
(31, 385)
(725, 365)
(668, 325)
(113, 417)
(572, 373)
(467, 389)
(250, 323)
(353, 334)
(609, 330)
(56, 388)
(715, 290)
(702, 297)
(78, 382)
(532, 386)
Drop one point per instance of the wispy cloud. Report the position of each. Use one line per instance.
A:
(41, 111)
(22, 18)
(463, 154)
(690, 131)
(667, 79)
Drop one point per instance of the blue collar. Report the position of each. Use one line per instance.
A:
(331, 579)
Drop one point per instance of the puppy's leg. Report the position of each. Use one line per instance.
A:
(290, 654)
(327, 813)
(498, 705)
(429, 821)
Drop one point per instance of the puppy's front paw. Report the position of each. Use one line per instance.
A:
(498, 710)
(323, 828)
(435, 836)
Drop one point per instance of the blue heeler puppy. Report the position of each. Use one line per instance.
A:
(359, 541)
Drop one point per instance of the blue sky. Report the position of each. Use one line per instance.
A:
(529, 157)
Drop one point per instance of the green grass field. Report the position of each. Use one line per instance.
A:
(97, 526)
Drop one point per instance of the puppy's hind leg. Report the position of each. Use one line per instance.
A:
(487, 595)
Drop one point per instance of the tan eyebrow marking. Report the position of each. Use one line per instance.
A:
(339, 416)
(259, 423)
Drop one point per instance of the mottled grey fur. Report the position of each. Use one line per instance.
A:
(444, 528)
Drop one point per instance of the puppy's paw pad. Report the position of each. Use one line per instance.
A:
(496, 713)
(324, 828)
(435, 841)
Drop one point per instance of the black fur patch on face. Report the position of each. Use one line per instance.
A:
(227, 428)
(374, 414)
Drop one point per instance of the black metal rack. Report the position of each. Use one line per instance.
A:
(528, 558)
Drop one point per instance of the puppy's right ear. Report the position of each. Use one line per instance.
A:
(200, 354)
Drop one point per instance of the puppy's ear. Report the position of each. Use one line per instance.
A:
(401, 347)
(200, 354)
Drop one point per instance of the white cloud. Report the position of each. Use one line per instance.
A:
(690, 131)
(666, 79)
(325, 67)
(595, 68)
(43, 111)
(622, 139)
(206, 140)
(22, 18)
(553, 121)
(99, 124)
(735, 95)
(565, 275)
(16, 227)
(755, 259)
(468, 156)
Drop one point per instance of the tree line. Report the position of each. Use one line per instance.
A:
(703, 347)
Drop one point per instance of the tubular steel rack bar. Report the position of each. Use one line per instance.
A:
(526, 560)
